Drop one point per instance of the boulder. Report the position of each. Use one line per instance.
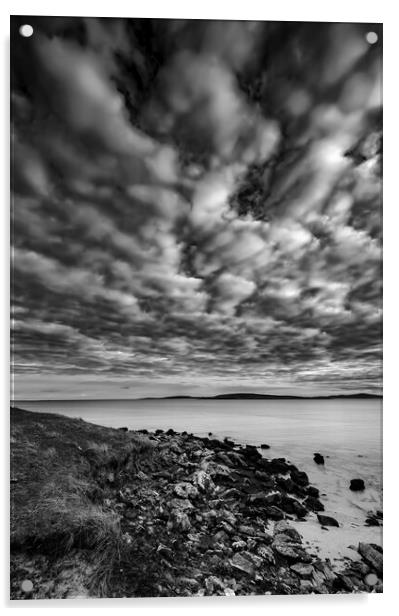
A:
(286, 484)
(318, 458)
(326, 520)
(313, 503)
(299, 477)
(304, 571)
(372, 520)
(266, 479)
(291, 551)
(273, 513)
(259, 499)
(312, 491)
(185, 489)
(265, 446)
(251, 453)
(291, 505)
(371, 579)
(284, 528)
(372, 555)
(356, 485)
(275, 466)
(243, 563)
(124, 429)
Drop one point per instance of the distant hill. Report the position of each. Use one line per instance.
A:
(251, 396)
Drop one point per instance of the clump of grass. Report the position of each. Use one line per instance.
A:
(64, 517)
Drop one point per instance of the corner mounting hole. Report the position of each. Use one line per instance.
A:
(372, 37)
(26, 30)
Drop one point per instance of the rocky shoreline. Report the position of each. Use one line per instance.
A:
(204, 517)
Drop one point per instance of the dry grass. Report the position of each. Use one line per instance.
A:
(57, 501)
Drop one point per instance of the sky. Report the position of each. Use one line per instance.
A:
(196, 208)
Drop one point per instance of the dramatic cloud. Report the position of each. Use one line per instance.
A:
(196, 208)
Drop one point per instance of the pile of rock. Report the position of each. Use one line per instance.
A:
(215, 517)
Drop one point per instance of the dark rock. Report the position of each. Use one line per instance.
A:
(357, 485)
(265, 446)
(313, 504)
(299, 477)
(266, 479)
(326, 570)
(287, 484)
(165, 551)
(260, 499)
(343, 582)
(124, 429)
(312, 491)
(159, 431)
(228, 442)
(372, 556)
(372, 521)
(318, 458)
(326, 520)
(274, 466)
(291, 505)
(170, 432)
(284, 528)
(273, 513)
(216, 444)
(251, 453)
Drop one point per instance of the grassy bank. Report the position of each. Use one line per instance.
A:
(63, 473)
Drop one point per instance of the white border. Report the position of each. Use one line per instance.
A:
(301, 10)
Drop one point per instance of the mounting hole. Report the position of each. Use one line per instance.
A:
(26, 30)
(372, 37)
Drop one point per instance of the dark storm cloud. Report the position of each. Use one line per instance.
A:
(196, 203)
